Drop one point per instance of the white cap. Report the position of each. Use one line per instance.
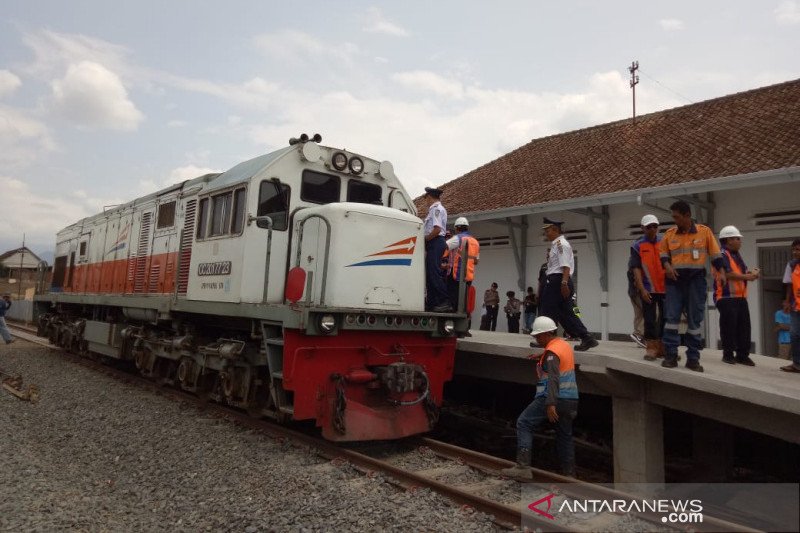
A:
(649, 219)
(729, 231)
(543, 324)
(461, 221)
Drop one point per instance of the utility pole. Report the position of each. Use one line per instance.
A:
(21, 259)
(634, 82)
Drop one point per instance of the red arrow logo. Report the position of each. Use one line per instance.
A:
(547, 498)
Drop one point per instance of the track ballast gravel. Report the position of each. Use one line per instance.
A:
(96, 454)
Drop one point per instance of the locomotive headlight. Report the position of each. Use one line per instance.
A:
(448, 327)
(356, 165)
(339, 161)
(327, 323)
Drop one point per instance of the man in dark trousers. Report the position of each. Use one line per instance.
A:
(731, 300)
(491, 301)
(435, 228)
(556, 400)
(558, 289)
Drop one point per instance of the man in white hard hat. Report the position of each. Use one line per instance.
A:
(556, 400)
(465, 254)
(650, 285)
(730, 297)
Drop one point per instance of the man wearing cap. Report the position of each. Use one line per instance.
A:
(556, 400)
(649, 283)
(5, 304)
(730, 297)
(791, 278)
(435, 226)
(465, 253)
(558, 290)
(685, 249)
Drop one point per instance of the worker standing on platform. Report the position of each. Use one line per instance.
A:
(460, 246)
(491, 301)
(685, 249)
(556, 400)
(435, 227)
(649, 283)
(792, 280)
(558, 290)
(731, 299)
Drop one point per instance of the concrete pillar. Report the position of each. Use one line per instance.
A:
(712, 450)
(638, 441)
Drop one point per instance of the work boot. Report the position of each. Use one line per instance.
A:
(746, 361)
(521, 470)
(651, 350)
(670, 362)
(661, 349)
(587, 342)
(694, 365)
(727, 358)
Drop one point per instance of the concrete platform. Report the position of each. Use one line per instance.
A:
(763, 398)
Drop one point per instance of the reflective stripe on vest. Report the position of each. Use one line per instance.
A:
(567, 386)
(733, 288)
(465, 240)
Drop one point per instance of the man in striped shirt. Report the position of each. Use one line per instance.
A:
(685, 250)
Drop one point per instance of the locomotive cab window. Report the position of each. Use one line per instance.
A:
(273, 201)
(166, 215)
(319, 188)
(222, 214)
(202, 218)
(239, 203)
(364, 193)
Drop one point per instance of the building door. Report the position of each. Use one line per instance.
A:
(772, 261)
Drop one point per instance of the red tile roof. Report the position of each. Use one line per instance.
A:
(737, 134)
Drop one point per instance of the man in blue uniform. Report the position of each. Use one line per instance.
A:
(558, 289)
(435, 245)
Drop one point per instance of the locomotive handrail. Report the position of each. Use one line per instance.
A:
(268, 221)
(327, 250)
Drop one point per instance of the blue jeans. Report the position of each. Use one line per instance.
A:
(685, 296)
(529, 318)
(4, 330)
(534, 416)
(794, 332)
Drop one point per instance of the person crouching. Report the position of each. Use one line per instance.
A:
(556, 400)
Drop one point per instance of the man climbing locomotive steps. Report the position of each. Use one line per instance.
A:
(291, 285)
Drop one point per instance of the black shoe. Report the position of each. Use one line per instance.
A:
(728, 359)
(586, 343)
(468, 334)
(694, 365)
(746, 361)
(669, 363)
(443, 308)
(9, 341)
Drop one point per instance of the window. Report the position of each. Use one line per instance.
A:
(364, 193)
(202, 219)
(220, 214)
(239, 204)
(83, 249)
(273, 201)
(319, 188)
(166, 215)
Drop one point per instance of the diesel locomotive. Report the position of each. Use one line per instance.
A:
(291, 286)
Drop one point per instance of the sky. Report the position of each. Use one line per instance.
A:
(102, 102)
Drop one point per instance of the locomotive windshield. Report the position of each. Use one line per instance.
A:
(364, 193)
(319, 188)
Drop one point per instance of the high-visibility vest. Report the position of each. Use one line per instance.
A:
(796, 285)
(653, 277)
(690, 250)
(734, 288)
(567, 386)
(473, 248)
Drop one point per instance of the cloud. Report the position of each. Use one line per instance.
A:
(374, 22)
(22, 138)
(176, 175)
(93, 97)
(52, 51)
(299, 48)
(9, 82)
(41, 216)
(788, 13)
(671, 24)
(426, 81)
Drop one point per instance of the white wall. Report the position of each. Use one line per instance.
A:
(735, 207)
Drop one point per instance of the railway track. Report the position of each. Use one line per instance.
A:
(466, 477)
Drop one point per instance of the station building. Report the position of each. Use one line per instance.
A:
(735, 159)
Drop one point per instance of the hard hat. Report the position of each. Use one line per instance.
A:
(729, 231)
(543, 324)
(649, 219)
(461, 221)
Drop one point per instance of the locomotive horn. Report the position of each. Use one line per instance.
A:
(317, 138)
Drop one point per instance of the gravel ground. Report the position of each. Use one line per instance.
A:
(98, 455)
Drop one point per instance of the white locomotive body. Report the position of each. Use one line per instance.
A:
(306, 258)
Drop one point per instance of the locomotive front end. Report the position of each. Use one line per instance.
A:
(368, 362)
